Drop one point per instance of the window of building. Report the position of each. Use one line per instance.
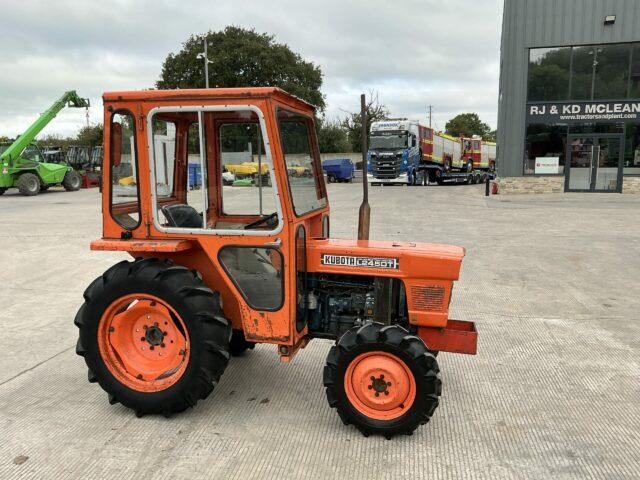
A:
(549, 73)
(634, 87)
(125, 195)
(612, 71)
(586, 72)
(545, 148)
(631, 160)
(582, 72)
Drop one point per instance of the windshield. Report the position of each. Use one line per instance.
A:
(393, 141)
(302, 162)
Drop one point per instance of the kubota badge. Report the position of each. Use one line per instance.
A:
(361, 262)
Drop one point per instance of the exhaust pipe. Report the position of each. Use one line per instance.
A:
(364, 216)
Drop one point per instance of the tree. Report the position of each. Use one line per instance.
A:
(352, 123)
(467, 124)
(91, 135)
(242, 58)
(332, 136)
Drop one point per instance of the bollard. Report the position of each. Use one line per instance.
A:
(486, 190)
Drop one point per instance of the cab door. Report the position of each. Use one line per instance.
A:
(306, 199)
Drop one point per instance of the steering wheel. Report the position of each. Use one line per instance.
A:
(260, 221)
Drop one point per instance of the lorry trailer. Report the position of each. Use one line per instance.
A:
(403, 151)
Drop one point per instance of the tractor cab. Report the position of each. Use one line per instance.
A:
(222, 265)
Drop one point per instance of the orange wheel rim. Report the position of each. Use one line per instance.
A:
(143, 342)
(380, 385)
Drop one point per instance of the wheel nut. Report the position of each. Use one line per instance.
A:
(377, 394)
(388, 384)
(370, 387)
(151, 347)
(372, 378)
(162, 345)
(142, 339)
(386, 392)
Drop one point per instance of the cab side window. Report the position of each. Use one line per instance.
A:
(123, 182)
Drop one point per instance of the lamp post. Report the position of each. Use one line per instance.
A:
(204, 56)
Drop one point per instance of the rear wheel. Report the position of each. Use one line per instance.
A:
(331, 178)
(71, 181)
(382, 379)
(29, 184)
(153, 336)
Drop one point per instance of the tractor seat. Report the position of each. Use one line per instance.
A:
(182, 216)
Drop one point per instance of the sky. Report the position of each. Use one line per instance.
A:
(413, 53)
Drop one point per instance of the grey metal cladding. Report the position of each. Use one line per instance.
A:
(548, 23)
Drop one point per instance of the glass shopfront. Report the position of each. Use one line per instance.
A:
(583, 115)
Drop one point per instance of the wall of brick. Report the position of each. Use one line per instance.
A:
(515, 185)
(631, 185)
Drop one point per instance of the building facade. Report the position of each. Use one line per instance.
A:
(569, 100)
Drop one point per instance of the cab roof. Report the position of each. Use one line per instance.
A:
(216, 94)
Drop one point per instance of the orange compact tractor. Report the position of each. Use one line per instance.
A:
(218, 268)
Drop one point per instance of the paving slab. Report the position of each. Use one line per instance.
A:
(551, 280)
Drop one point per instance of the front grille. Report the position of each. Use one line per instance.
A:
(385, 167)
(428, 298)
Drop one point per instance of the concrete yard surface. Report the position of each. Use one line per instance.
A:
(552, 281)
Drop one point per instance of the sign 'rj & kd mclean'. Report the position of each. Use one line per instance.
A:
(622, 111)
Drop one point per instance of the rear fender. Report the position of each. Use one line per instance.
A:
(188, 254)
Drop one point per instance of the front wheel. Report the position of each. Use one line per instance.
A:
(71, 181)
(29, 184)
(153, 336)
(382, 379)
(469, 166)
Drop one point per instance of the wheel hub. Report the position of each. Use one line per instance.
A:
(154, 336)
(143, 343)
(380, 385)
